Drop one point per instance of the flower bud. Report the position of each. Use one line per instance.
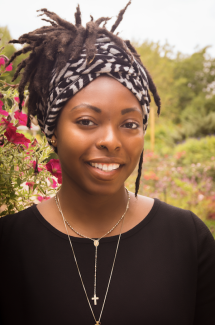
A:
(36, 171)
(4, 57)
(9, 118)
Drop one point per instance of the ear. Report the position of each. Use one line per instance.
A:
(54, 140)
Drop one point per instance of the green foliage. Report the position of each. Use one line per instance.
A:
(157, 59)
(195, 151)
(8, 50)
(186, 85)
(5, 38)
(17, 169)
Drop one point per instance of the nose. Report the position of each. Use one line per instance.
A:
(109, 140)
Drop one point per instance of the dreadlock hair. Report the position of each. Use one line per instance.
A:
(137, 182)
(52, 46)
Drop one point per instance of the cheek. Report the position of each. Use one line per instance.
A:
(134, 148)
(71, 142)
(134, 144)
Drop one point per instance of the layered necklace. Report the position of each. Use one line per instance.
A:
(96, 244)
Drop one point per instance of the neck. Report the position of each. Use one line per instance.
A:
(91, 214)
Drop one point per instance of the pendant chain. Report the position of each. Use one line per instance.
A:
(106, 232)
(96, 246)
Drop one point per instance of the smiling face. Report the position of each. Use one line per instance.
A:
(100, 136)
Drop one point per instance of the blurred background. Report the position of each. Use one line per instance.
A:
(177, 45)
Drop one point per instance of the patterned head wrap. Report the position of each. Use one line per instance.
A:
(111, 60)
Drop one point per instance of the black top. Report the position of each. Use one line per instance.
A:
(164, 272)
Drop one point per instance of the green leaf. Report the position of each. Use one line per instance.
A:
(19, 181)
(31, 171)
(12, 196)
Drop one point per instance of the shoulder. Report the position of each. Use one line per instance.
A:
(163, 211)
(186, 225)
(174, 214)
(175, 222)
(14, 224)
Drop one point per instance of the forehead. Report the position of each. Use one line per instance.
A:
(105, 92)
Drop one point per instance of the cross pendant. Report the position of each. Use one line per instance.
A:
(95, 301)
(98, 323)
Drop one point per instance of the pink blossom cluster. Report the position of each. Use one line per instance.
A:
(2, 62)
(3, 112)
(12, 135)
(10, 132)
(53, 166)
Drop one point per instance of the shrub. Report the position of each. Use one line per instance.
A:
(25, 175)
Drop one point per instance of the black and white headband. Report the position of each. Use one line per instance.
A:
(111, 60)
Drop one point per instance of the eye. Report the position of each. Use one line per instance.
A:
(131, 125)
(85, 122)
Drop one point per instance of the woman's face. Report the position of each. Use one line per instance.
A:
(100, 136)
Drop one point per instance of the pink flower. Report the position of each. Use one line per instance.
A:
(16, 138)
(178, 155)
(151, 175)
(10, 126)
(2, 61)
(9, 67)
(21, 117)
(2, 112)
(43, 198)
(30, 184)
(53, 166)
(17, 100)
(54, 183)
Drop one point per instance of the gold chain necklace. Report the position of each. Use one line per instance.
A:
(96, 246)
(96, 242)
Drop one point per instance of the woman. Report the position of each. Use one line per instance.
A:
(97, 254)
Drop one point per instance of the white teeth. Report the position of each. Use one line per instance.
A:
(105, 167)
(110, 167)
(115, 166)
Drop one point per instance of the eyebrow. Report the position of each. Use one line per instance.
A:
(98, 110)
(128, 110)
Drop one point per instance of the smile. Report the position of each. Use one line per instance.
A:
(105, 167)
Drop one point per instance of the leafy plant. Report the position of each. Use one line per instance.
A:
(25, 175)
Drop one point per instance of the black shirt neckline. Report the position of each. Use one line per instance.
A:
(124, 235)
